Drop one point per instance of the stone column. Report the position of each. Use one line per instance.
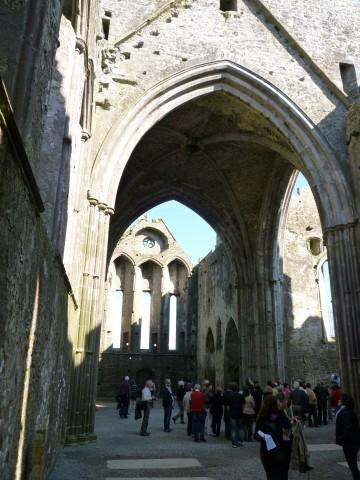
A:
(277, 299)
(134, 341)
(164, 321)
(344, 264)
(86, 348)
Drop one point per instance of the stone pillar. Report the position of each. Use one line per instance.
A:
(86, 348)
(165, 311)
(134, 340)
(344, 264)
(277, 299)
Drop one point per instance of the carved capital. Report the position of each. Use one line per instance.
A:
(102, 207)
(92, 200)
(353, 122)
(80, 45)
(85, 135)
(342, 226)
(109, 211)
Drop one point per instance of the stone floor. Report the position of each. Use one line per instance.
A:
(119, 453)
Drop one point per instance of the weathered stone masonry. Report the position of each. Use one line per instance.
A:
(121, 107)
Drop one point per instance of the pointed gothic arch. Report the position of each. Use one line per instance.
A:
(315, 157)
(232, 354)
(210, 357)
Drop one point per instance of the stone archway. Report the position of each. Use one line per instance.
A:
(231, 354)
(311, 153)
(287, 140)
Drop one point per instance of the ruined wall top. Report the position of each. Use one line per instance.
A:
(151, 239)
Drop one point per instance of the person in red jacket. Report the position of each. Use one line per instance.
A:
(335, 396)
(198, 413)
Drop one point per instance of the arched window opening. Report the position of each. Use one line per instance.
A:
(145, 321)
(228, 5)
(232, 353)
(210, 344)
(116, 315)
(218, 335)
(209, 371)
(119, 296)
(315, 245)
(106, 24)
(172, 322)
(326, 301)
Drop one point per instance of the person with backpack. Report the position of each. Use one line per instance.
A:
(312, 403)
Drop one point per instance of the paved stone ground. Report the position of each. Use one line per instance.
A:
(118, 439)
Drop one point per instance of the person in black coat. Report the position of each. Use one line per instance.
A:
(226, 396)
(348, 433)
(216, 410)
(273, 421)
(235, 403)
(322, 396)
(168, 403)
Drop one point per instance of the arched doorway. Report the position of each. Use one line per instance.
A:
(143, 375)
(210, 358)
(231, 354)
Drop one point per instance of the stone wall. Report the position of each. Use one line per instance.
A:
(35, 314)
(167, 44)
(148, 259)
(141, 367)
(28, 42)
(217, 304)
(311, 356)
(329, 35)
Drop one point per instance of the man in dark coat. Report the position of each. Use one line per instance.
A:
(123, 397)
(299, 401)
(348, 433)
(322, 395)
(168, 403)
(235, 403)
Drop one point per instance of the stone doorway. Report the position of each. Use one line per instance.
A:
(210, 358)
(143, 375)
(232, 354)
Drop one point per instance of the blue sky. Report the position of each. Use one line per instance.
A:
(195, 236)
(300, 182)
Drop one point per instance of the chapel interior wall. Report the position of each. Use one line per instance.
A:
(217, 299)
(310, 355)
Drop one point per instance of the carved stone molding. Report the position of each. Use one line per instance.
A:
(343, 226)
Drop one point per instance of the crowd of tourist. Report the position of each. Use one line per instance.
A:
(274, 415)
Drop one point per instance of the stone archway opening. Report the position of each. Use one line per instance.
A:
(232, 355)
(225, 143)
(230, 164)
(210, 358)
